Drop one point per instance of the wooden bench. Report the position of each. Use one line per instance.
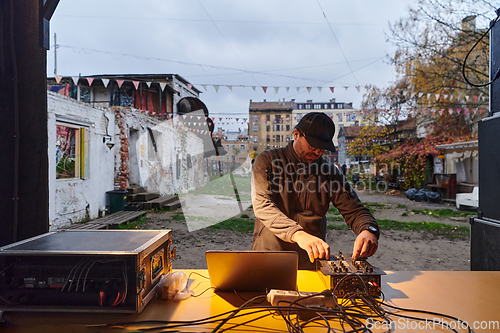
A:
(445, 184)
(106, 221)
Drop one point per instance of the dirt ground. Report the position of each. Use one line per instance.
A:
(398, 250)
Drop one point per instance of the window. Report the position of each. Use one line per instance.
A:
(277, 138)
(72, 152)
(287, 117)
(255, 128)
(350, 116)
(255, 148)
(287, 138)
(299, 116)
(255, 139)
(227, 157)
(300, 106)
(255, 119)
(325, 106)
(274, 127)
(268, 117)
(340, 116)
(268, 128)
(242, 147)
(287, 127)
(317, 106)
(268, 139)
(308, 106)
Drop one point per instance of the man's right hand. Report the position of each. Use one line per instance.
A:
(316, 248)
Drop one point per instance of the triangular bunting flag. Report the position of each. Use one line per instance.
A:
(253, 87)
(475, 99)
(105, 82)
(287, 88)
(204, 87)
(320, 88)
(420, 94)
(216, 87)
(331, 89)
(136, 84)
(230, 87)
(450, 111)
(90, 80)
(308, 89)
(148, 83)
(58, 78)
(298, 88)
(75, 79)
(276, 89)
(163, 85)
(189, 86)
(119, 83)
(265, 89)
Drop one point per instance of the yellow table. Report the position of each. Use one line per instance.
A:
(471, 296)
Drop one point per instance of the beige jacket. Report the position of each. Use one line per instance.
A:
(288, 195)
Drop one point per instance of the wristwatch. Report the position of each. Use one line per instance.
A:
(373, 230)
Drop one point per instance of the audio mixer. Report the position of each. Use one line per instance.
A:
(345, 276)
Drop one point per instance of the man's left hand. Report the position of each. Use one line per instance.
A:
(365, 245)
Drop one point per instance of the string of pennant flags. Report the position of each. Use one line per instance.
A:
(441, 97)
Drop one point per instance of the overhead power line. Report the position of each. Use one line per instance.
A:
(340, 47)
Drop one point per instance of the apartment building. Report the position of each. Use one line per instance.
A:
(272, 123)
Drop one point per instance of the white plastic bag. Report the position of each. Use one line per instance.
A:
(173, 286)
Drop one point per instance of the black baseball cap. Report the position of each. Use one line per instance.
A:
(318, 130)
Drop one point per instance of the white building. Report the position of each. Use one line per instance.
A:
(146, 151)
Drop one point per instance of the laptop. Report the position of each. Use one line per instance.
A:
(252, 270)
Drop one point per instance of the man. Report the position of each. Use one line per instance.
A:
(344, 169)
(292, 188)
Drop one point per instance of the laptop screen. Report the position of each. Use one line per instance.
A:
(252, 270)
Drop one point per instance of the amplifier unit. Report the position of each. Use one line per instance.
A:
(346, 277)
(91, 271)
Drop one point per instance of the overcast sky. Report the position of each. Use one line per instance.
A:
(272, 43)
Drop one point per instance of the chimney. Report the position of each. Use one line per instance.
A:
(264, 100)
(469, 23)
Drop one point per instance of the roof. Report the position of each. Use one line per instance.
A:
(350, 131)
(406, 125)
(266, 106)
(459, 145)
(138, 77)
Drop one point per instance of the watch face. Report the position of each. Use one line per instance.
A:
(372, 228)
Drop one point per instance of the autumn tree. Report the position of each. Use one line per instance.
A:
(432, 43)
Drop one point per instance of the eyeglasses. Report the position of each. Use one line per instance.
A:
(309, 146)
(315, 149)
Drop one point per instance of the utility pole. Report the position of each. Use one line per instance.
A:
(55, 54)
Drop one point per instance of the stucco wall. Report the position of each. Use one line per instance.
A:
(176, 166)
(165, 169)
(72, 200)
